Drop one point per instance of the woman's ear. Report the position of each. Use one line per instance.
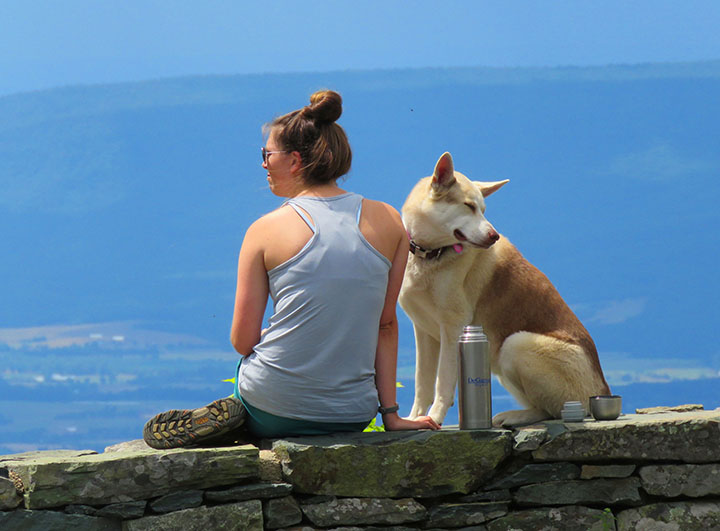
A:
(297, 162)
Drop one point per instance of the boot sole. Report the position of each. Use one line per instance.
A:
(179, 428)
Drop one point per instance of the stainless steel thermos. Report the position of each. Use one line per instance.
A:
(474, 398)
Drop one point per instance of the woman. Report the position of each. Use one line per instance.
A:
(333, 264)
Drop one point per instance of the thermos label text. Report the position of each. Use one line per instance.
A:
(478, 381)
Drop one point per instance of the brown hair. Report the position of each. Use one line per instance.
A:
(312, 132)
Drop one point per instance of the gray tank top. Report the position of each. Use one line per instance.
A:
(316, 361)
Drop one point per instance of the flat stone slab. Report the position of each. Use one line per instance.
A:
(52, 480)
(9, 498)
(463, 514)
(672, 481)
(528, 438)
(122, 511)
(693, 437)
(606, 471)
(270, 469)
(680, 516)
(281, 512)
(22, 520)
(114, 511)
(624, 491)
(254, 491)
(537, 473)
(487, 496)
(572, 518)
(365, 511)
(245, 515)
(42, 454)
(177, 501)
(127, 446)
(393, 464)
(666, 409)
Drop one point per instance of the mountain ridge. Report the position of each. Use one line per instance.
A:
(123, 208)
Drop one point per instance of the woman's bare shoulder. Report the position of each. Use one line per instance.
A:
(382, 226)
(269, 228)
(272, 220)
(382, 212)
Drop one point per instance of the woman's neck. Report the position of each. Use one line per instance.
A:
(321, 190)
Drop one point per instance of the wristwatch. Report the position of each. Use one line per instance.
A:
(391, 409)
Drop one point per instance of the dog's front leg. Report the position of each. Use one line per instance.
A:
(426, 363)
(446, 374)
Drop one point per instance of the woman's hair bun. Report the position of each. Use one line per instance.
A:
(325, 107)
(312, 131)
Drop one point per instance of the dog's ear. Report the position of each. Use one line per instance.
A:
(444, 174)
(488, 188)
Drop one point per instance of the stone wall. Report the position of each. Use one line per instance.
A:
(659, 470)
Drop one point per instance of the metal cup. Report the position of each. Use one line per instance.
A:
(605, 407)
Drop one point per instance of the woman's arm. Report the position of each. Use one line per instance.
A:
(252, 291)
(386, 353)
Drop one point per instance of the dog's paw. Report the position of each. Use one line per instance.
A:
(437, 412)
(417, 411)
(518, 417)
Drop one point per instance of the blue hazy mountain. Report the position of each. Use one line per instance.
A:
(123, 207)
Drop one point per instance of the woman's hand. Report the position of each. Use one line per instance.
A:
(393, 422)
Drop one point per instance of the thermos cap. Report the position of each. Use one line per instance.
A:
(573, 411)
(473, 333)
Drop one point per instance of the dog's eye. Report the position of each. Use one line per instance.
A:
(471, 206)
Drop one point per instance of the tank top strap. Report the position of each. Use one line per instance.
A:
(302, 214)
(314, 210)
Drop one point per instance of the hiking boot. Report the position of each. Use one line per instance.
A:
(180, 428)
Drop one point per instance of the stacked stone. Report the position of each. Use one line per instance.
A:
(638, 472)
(136, 488)
(651, 471)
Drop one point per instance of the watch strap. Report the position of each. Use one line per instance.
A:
(385, 410)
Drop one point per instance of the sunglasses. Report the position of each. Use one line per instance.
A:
(266, 153)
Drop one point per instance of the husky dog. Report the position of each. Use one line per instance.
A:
(460, 272)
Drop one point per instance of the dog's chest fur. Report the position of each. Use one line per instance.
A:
(438, 291)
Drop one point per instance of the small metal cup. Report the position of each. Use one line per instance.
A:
(605, 407)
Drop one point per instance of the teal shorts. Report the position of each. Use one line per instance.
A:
(268, 426)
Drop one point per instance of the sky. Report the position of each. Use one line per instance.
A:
(46, 44)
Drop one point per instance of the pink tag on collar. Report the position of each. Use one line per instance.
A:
(457, 247)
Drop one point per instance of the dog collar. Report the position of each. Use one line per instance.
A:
(429, 254)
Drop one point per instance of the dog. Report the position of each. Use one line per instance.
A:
(461, 271)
